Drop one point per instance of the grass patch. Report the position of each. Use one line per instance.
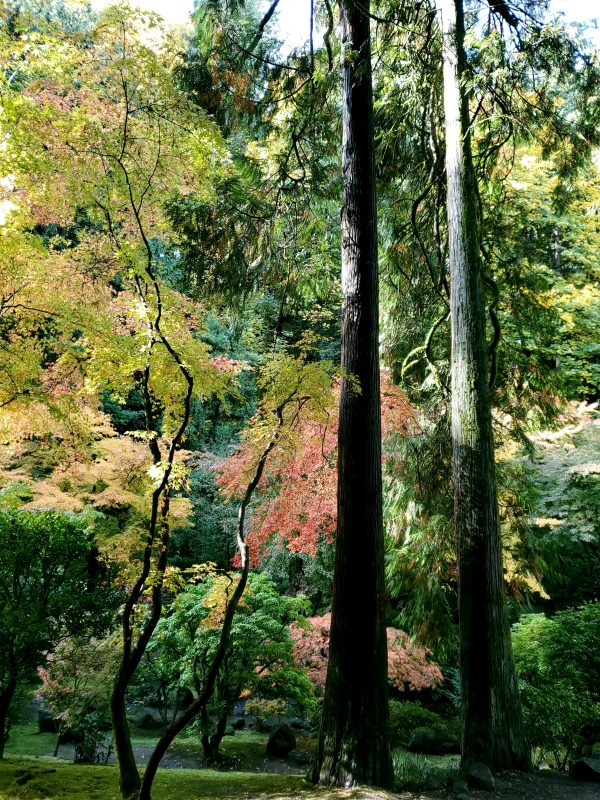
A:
(416, 772)
(26, 740)
(34, 779)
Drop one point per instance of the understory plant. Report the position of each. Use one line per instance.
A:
(415, 772)
(557, 662)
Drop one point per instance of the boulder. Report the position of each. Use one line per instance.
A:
(238, 724)
(430, 742)
(585, 769)
(480, 777)
(301, 758)
(590, 732)
(460, 788)
(300, 723)
(46, 724)
(281, 742)
(148, 722)
(270, 723)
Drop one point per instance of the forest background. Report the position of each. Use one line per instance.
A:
(170, 350)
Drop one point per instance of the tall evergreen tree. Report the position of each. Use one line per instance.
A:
(492, 727)
(353, 742)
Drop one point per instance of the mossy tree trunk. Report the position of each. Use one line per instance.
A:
(492, 727)
(353, 743)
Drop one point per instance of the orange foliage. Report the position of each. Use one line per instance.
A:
(296, 500)
(409, 666)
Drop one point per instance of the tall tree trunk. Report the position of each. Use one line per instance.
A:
(492, 727)
(353, 743)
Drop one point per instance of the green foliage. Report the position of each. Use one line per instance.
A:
(210, 534)
(414, 772)
(302, 573)
(420, 555)
(566, 512)
(405, 716)
(261, 709)
(14, 494)
(127, 416)
(45, 590)
(259, 657)
(557, 662)
(547, 268)
(76, 686)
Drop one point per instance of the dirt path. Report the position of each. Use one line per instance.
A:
(511, 786)
(541, 786)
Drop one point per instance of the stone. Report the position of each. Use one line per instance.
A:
(460, 787)
(281, 742)
(300, 724)
(480, 777)
(430, 743)
(301, 758)
(46, 724)
(148, 722)
(591, 732)
(585, 769)
(270, 723)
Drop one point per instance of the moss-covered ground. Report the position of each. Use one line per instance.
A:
(246, 751)
(37, 778)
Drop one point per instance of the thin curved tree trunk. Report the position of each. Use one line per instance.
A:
(353, 742)
(156, 545)
(492, 727)
(200, 703)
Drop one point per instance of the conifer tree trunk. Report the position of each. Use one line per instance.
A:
(353, 743)
(492, 728)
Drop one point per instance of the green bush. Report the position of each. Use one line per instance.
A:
(14, 494)
(558, 661)
(262, 708)
(415, 772)
(92, 745)
(405, 716)
(259, 656)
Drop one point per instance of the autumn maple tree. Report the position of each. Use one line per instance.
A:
(409, 665)
(108, 148)
(296, 499)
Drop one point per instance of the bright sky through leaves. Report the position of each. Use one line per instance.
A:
(293, 15)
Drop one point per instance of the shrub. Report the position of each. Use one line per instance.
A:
(557, 661)
(409, 664)
(405, 716)
(259, 658)
(15, 494)
(92, 745)
(76, 683)
(261, 709)
(46, 592)
(415, 772)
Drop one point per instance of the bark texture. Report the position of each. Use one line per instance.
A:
(492, 727)
(353, 743)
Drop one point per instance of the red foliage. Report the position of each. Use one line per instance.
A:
(296, 500)
(409, 666)
(231, 366)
